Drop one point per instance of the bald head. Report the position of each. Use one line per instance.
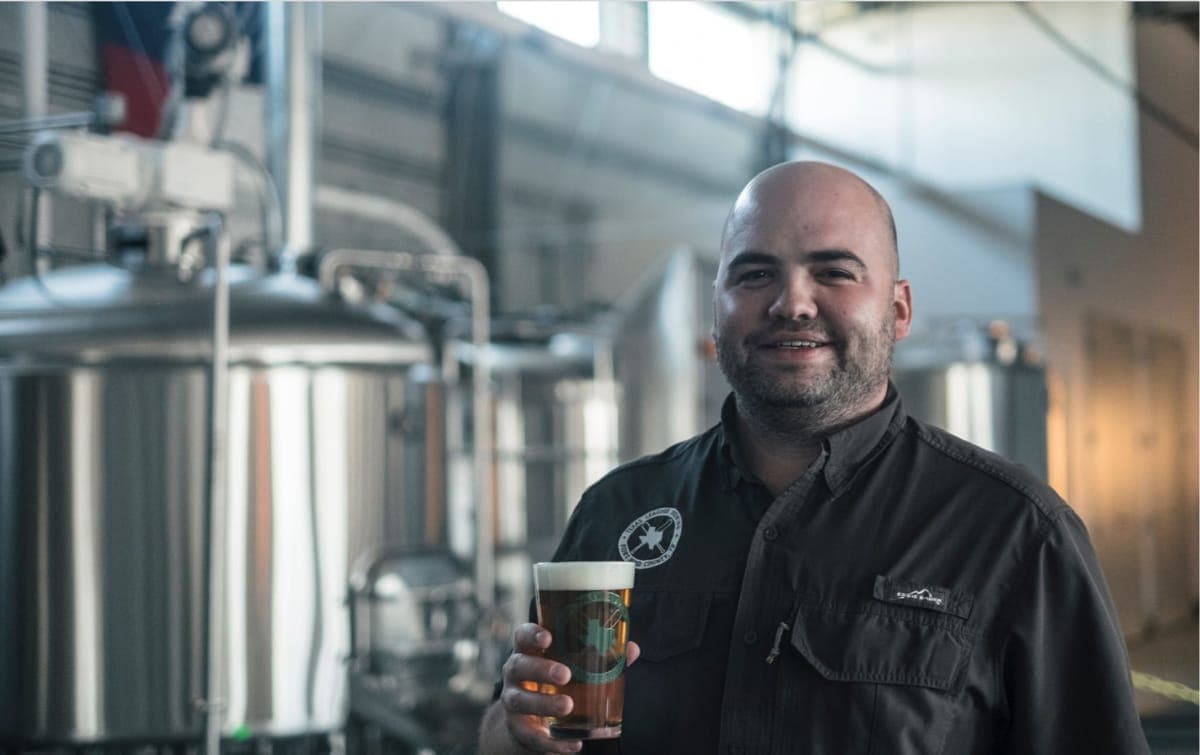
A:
(785, 191)
(807, 302)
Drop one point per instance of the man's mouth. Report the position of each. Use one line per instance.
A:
(794, 341)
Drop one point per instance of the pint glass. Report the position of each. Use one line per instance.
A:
(585, 605)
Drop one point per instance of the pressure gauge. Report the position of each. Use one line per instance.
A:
(209, 30)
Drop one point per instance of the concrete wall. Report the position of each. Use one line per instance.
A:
(600, 177)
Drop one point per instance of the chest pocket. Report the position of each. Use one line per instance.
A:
(666, 623)
(885, 681)
(881, 646)
(668, 708)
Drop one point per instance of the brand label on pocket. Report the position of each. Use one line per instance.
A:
(935, 596)
(922, 595)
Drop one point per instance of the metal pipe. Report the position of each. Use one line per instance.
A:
(43, 122)
(390, 211)
(35, 76)
(270, 207)
(469, 271)
(218, 421)
(293, 117)
(34, 59)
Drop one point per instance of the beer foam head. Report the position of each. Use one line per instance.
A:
(583, 575)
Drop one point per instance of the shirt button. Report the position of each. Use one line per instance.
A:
(770, 533)
(750, 637)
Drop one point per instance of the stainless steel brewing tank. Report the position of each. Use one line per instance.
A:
(556, 419)
(999, 407)
(103, 508)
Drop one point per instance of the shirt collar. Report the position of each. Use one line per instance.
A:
(844, 449)
(731, 473)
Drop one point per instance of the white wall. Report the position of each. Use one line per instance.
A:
(966, 262)
(973, 95)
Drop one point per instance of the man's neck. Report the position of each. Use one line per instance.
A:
(776, 461)
(778, 446)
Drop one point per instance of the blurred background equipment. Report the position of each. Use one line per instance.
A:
(979, 384)
(266, 489)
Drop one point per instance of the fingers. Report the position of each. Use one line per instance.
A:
(521, 668)
(522, 702)
(524, 715)
(526, 668)
(633, 651)
(525, 705)
(533, 734)
(530, 638)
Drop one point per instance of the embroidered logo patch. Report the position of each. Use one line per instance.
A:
(651, 539)
(922, 595)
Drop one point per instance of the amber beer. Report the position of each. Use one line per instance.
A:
(585, 605)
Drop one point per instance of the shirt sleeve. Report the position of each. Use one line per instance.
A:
(1064, 666)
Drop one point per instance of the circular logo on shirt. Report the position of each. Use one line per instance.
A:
(651, 539)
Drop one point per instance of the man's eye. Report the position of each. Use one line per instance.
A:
(835, 273)
(752, 276)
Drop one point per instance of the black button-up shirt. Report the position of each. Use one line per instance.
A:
(910, 593)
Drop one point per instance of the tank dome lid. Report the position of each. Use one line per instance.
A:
(101, 313)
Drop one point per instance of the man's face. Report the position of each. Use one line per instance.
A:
(807, 308)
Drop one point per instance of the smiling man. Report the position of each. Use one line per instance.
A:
(808, 306)
(831, 575)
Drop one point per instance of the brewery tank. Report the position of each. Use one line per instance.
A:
(104, 379)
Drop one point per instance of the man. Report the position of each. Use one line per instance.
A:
(830, 575)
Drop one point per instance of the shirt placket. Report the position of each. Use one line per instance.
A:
(748, 705)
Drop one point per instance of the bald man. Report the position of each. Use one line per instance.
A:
(833, 576)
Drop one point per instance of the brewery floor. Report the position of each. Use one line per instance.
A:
(1171, 655)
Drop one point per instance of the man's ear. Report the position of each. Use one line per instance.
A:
(902, 304)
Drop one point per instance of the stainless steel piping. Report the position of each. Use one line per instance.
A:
(293, 117)
(218, 422)
(35, 77)
(389, 211)
(34, 59)
(471, 272)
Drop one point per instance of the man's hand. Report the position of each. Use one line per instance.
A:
(519, 717)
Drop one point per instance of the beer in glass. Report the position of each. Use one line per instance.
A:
(585, 605)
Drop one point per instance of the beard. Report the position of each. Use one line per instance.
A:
(806, 401)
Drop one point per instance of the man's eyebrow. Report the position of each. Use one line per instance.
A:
(751, 257)
(836, 255)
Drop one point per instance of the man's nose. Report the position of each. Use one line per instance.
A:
(796, 299)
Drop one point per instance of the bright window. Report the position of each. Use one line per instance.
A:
(575, 20)
(714, 52)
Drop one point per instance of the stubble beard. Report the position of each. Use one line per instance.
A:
(795, 406)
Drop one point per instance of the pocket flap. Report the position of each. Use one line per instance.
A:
(873, 647)
(666, 622)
